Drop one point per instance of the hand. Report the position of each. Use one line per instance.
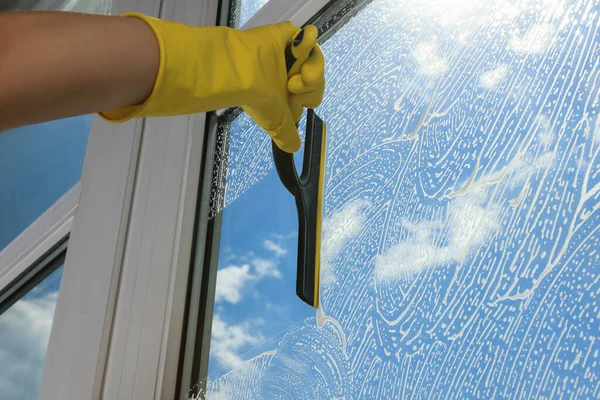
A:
(281, 106)
(306, 86)
(209, 68)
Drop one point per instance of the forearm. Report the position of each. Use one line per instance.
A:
(56, 65)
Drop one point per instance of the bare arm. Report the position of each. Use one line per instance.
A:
(56, 65)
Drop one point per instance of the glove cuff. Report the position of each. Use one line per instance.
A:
(123, 114)
(201, 69)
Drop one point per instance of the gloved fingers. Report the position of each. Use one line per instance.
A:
(296, 85)
(310, 99)
(303, 42)
(286, 137)
(313, 71)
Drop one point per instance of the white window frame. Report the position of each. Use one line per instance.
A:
(35, 241)
(297, 11)
(119, 313)
(120, 310)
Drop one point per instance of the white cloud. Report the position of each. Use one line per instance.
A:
(428, 60)
(228, 340)
(277, 249)
(470, 224)
(537, 40)
(231, 282)
(24, 333)
(491, 79)
(341, 227)
(437, 242)
(242, 272)
(264, 267)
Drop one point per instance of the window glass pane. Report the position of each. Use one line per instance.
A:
(461, 217)
(243, 10)
(255, 292)
(24, 333)
(38, 164)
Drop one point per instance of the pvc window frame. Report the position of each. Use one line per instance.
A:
(119, 314)
(35, 243)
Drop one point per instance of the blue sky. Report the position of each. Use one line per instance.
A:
(24, 333)
(461, 212)
(38, 164)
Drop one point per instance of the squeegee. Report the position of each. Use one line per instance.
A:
(307, 189)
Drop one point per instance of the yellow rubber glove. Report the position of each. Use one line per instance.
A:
(307, 87)
(208, 68)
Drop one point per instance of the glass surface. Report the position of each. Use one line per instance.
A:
(24, 333)
(38, 164)
(243, 10)
(461, 242)
(255, 293)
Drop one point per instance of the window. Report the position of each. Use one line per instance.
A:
(461, 214)
(257, 261)
(26, 314)
(38, 164)
(243, 10)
